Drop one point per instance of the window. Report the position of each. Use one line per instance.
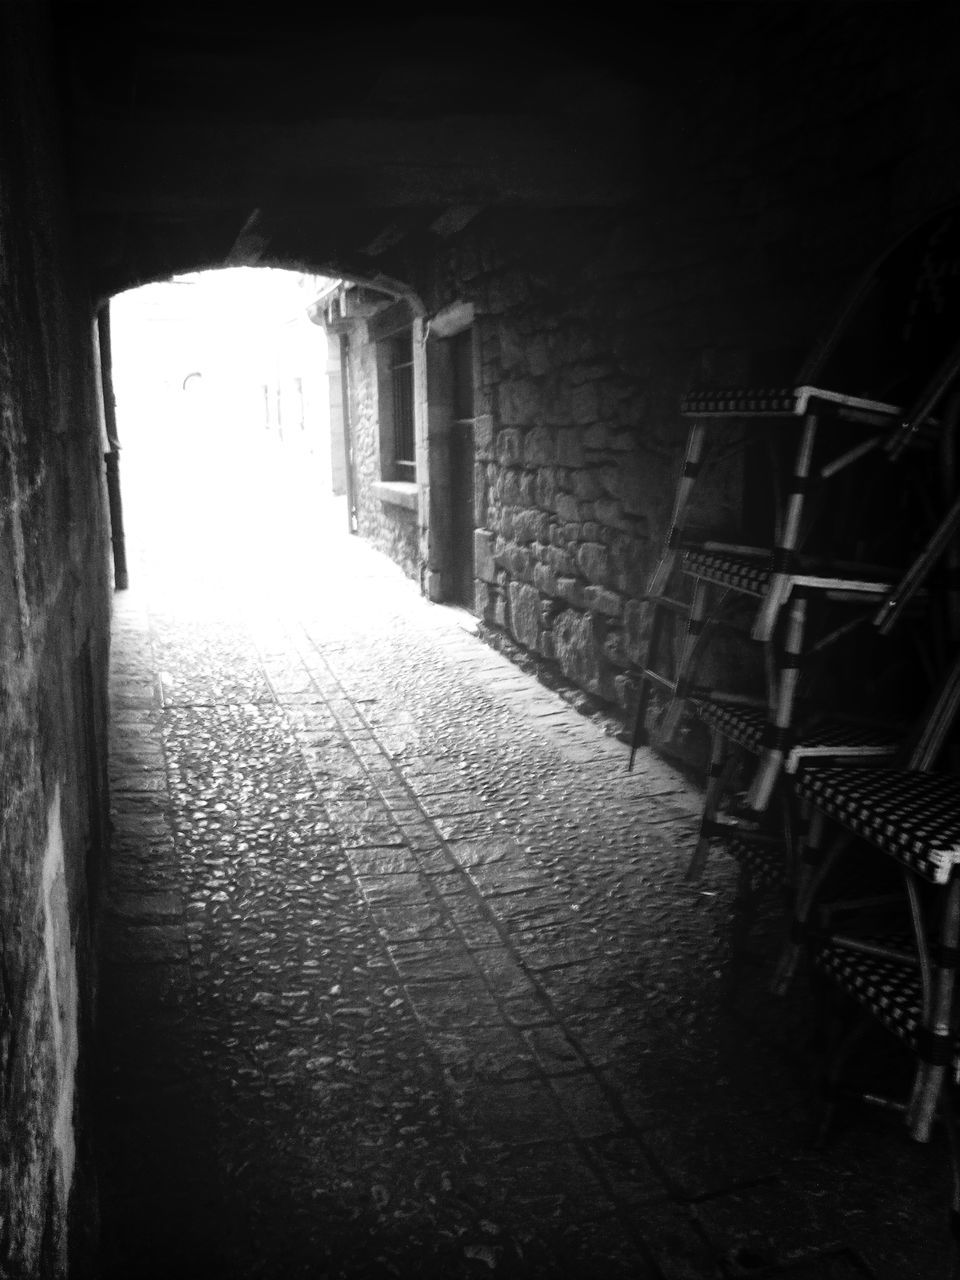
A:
(395, 332)
(400, 361)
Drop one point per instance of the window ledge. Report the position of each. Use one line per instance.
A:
(396, 493)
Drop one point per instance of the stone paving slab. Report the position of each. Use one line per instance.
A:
(402, 978)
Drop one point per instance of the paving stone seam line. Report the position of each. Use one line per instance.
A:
(367, 736)
(671, 1191)
(620, 1208)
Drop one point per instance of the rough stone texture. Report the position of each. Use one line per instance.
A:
(525, 615)
(577, 650)
(53, 639)
(392, 529)
(592, 324)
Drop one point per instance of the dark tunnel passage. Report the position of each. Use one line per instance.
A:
(443, 712)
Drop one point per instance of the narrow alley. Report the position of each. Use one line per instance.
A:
(400, 976)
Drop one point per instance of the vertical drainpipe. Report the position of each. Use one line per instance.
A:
(352, 521)
(112, 456)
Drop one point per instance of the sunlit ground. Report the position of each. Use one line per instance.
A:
(222, 503)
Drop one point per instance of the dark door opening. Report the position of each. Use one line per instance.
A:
(462, 464)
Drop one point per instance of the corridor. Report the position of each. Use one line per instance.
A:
(400, 976)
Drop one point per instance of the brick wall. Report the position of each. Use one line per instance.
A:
(53, 649)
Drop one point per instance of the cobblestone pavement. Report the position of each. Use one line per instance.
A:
(401, 978)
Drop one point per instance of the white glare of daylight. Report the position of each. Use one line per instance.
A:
(227, 462)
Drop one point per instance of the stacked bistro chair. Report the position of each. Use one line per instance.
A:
(882, 960)
(855, 452)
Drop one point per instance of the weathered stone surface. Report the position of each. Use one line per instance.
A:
(568, 508)
(538, 356)
(54, 628)
(525, 615)
(602, 600)
(509, 446)
(484, 546)
(593, 560)
(570, 447)
(539, 447)
(561, 561)
(512, 347)
(585, 403)
(577, 649)
(545, 579)
(615, 649)
(635, 622)
(484, 437)
(631, 562)
(571, 590)
(546, 488)
(531, 526)
(586, 484)
(508, 487)
(627, 693)
(550, 610)
(609, 511)
(519, 402)
(518, 561)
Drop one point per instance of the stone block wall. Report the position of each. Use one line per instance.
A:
(762, 210)
(390, 526)
(54, 614)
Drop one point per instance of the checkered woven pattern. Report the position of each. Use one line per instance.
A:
(744, 725)
(742, 573)
(914, 817)
(890, 989)
(739, 402)
(834, 737)
(766, 864)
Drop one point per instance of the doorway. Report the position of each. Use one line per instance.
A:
(462, 469)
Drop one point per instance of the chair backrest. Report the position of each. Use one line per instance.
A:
(901, 320)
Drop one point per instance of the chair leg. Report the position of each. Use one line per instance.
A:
(742, 922)
(814, 868)
(778, 733)
(785, 553)
(639, 734)
(953, 1145)
(688, 647)
(685, 486)
(718, 780)
(830, 1085)
(939, 984)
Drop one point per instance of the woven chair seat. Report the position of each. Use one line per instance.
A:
(747, 726)
(741, 724)
(889, 989)
(913, 816)
(770, 402)
(763, 861)
(739, 401)
(750, 574)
